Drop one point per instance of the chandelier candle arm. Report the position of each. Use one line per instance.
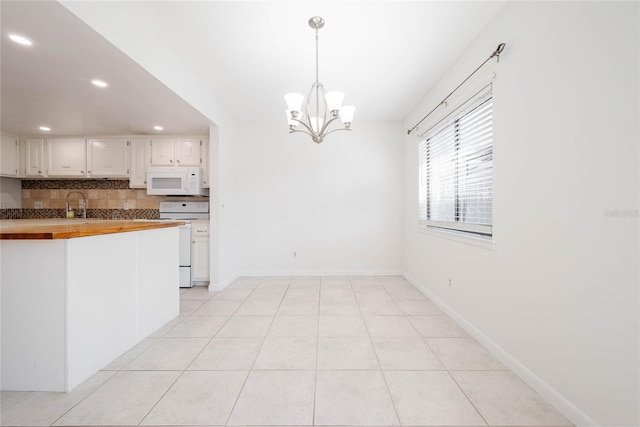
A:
(321, 109)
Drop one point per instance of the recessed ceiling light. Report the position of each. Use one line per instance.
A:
(99, 83)
(158, 127)
(45, 128)
(20, 39)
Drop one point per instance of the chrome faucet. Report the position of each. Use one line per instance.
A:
(82, 206)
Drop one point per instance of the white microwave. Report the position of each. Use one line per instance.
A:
(175, 181)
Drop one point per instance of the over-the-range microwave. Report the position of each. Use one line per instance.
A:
(175, 181)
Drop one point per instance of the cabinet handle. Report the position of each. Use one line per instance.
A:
(170, 161)
(177, 161)
(39, 172)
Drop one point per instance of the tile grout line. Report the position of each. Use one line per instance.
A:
(424, 339)
(468, 398)
(315, 378)
(186, 368)
(244, 383)
(384, 378)
(84, 398)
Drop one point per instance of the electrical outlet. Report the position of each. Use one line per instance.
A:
(37, 204)
(295, 254)
(125, 206)
(449, 281)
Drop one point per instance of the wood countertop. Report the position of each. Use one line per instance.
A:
(47, 229)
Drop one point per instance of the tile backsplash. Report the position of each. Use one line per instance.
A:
(105, 200)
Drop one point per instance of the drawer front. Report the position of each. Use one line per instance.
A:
(199, 229)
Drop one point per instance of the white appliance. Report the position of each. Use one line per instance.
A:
(184, 211)
(175, 181)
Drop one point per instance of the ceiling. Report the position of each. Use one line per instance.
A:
(49, 83)
(384, 55)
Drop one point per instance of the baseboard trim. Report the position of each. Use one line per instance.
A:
(562, 404)
(299, 273)
(222, 284)
(317, 273)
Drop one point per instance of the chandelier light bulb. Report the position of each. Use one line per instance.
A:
(334, 101)
(346, 114)
(294, 101)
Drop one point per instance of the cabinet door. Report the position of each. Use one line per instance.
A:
(204, 155)
(200, 259)
(200, 250)
(162, 152)
(188, 152)
(108, 158)
(140, 161)
(34, 157)
(66, 157)
(8, 156)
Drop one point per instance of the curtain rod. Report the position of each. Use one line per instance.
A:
(495, 54)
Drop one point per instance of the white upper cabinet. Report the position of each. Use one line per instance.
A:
(204, 155)
(66, 158)
(34, 158)
(112, 157)
(108, 158)
(175, 152)
(162, 152)
(187, 151)
(9, 156)
(140, 161)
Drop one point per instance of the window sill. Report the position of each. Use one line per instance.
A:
(460, 237)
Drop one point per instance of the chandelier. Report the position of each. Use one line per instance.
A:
(322, 109)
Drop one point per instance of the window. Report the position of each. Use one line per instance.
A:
(456, 171)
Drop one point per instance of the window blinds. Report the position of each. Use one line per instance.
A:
(456, 162)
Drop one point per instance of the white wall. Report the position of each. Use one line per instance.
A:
(337, 204)
(10, 193)
(557, 298)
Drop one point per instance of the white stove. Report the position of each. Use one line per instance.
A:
(184, 211)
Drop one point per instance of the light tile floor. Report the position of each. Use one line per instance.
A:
(279, 351)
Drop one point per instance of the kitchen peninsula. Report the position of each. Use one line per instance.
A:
(75, 294)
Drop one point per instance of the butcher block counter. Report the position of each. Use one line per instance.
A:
(23, 229)
(76, 294)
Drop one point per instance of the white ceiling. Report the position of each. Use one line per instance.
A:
(49, 83)
(384, 55)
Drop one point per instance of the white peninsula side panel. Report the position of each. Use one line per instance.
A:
(32, 279)
(71, 306)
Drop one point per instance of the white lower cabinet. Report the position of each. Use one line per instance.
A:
(200, 251)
